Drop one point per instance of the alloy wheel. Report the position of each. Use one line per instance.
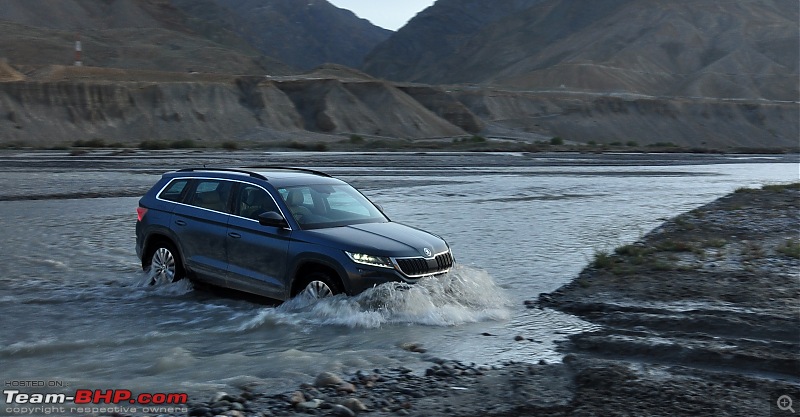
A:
(162, 267)
(318, 289)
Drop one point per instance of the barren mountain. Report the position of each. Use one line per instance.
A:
(131, 34)
(302, 33)
(229, 36)
(707, 48)
(435, 34)
(697, 74)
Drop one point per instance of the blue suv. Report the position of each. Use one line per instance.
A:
(277, 232)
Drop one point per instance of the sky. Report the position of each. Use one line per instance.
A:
(388, 14)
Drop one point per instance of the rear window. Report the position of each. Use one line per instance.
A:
(173, 191)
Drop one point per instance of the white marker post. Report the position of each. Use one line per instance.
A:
(78, 61)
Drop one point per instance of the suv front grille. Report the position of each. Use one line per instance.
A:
(417, 267)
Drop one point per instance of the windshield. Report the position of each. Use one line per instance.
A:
(322, 206)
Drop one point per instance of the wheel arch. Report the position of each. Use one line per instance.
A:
(152, 242)
(309, 266)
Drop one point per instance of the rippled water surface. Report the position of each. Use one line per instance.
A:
(74, 308)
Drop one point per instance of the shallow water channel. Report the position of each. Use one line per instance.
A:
(74, 311)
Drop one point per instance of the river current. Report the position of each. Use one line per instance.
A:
(74, 309)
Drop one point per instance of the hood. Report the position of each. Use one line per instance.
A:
(380, 239)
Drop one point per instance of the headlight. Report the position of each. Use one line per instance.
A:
(361, 258)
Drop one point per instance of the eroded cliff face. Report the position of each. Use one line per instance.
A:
(364, 107)
(46, 113)
(446, 106)
(42, 113)
(56, 108)
(703, 123)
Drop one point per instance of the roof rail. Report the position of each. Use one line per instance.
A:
(241, 171)
(310, 171)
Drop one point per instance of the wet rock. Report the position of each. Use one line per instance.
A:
(354, 404)
(225, 404)
(219, 396)
(346, 387)
(413, 347)
(297, 397)
(309, 405)
(342, 411)
(327, 379)
(200, 412)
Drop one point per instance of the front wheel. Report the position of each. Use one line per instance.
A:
(320, 285)
(165, 265)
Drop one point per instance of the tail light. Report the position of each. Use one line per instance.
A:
(140, 212)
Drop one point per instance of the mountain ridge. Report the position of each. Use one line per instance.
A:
(516, 70)
(745, 49)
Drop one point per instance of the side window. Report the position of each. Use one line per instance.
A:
(253, 201)
(174, 190)
(212, 195)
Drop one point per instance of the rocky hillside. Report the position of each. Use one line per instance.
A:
(434, 34)
(700, 48)
(301, 33)
(692, 123)
(127, 107)
(222, 36)
(129, 34)
(334, 102)
(691, 73)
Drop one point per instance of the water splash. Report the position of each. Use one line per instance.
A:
(179, 287)
(464, 295)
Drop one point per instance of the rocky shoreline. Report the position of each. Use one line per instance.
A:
(700, 317)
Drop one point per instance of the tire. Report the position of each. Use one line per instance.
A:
(165, 264)
(319, 285)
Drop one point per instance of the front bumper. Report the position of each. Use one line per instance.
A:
(407, 270)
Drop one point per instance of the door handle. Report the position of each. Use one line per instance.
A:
(180, 222)
(234, 235)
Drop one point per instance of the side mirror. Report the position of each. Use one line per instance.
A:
(272, 218)
(380, 207)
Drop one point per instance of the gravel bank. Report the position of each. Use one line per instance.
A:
(700, 317)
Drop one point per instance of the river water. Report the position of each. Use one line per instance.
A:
(74, 310)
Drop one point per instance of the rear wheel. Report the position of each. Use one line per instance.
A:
(320, 285)
(165, 264)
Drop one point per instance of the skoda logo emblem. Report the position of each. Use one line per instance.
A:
(428, 252)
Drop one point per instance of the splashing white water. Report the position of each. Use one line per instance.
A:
(179, 287)
(465, 295)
